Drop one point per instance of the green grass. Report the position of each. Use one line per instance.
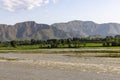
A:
(29, 47)
(94, 45)
(36, 49)
(26, 47)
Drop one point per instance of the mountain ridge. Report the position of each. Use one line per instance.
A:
(76, 28)
(87, 28)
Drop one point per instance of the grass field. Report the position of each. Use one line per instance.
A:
(26, 47)
(36, 49)
(29, 47)
(94, 45)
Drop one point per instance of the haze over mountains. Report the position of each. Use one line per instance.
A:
(31, 30)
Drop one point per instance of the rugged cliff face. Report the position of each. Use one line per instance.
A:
(32, 30)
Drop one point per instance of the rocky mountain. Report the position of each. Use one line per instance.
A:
(31, 30)
(89, 28)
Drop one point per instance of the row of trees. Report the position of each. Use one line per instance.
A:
(112, 41)
(70, 42)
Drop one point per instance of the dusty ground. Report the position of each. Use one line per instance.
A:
(57, 67)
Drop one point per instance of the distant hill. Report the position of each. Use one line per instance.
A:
(31, 30)
(89, 28)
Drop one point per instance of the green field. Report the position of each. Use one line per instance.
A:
(94, 45)
(37, 49)
(30, 47)
(26, 47)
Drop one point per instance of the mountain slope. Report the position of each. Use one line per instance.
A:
(31, 30)
(87, 28)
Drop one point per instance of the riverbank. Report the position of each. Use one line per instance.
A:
(57, 67)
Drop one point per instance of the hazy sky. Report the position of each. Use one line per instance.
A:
(52, 11)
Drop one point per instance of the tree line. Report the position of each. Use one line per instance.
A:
(65, 43)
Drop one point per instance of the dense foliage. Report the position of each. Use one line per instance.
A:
(67, 43)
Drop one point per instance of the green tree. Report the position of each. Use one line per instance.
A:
(33, 41)
(13, 43)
